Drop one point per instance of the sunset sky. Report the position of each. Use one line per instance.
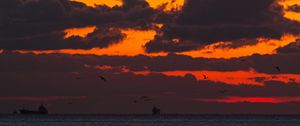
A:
(188, 56)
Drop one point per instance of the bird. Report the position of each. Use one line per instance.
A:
(278, 68)
(205, 77)
(102, 78)
(78, 78)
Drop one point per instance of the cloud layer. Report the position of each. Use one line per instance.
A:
(204, 22)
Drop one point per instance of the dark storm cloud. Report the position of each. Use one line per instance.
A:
(16, 62)
(53, 15)
(291, 48)
(100, 38)
(208, 21)
(295, 8)
(39, 24)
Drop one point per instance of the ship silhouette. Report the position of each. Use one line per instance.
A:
(155, 111)
(42, 110)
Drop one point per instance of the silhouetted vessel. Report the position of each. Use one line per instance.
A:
(155, 111)
(42, 110)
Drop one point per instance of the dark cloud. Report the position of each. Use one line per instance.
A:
(38, 25)
(291, 48)
(127, 4)
(51, 75)
(205, 22)
(124, 88)
(54, 15)
(261, 63)
(172, 45)
(100, 38)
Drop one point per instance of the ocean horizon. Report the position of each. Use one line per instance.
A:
(148, 120)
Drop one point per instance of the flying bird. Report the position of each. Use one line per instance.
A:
(205, 77)
(102, 78)
(278, 68)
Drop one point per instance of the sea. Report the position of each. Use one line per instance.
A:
(148, 120)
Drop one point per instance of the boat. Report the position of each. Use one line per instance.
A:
(42, 110)
(155, 111)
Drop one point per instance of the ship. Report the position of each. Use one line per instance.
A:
(155, 111)
(42, 110)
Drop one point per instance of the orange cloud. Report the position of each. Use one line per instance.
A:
(170, 4)
(135, 41)
(234, 99)
(93, 3)
(81, 32)
(132, 45)
(290, 14)
(233, 77)
(264, 46)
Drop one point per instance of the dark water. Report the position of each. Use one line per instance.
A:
(143, 120)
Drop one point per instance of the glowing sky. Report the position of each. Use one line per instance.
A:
(109, 3)
(289, 14)
(171, 4)
(136, 39)
(62, 48)
(81, 32)
(134, 43)
(233, 77)
(274, 100)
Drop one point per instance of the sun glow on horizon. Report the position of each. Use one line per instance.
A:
(236, 99)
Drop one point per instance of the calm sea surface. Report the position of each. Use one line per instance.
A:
(140, 120)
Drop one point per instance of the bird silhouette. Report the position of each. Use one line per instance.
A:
(103, 78)
(205, 77)
(278, 68)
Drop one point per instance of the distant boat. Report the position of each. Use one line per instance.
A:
(155, 111)
(42, 110)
